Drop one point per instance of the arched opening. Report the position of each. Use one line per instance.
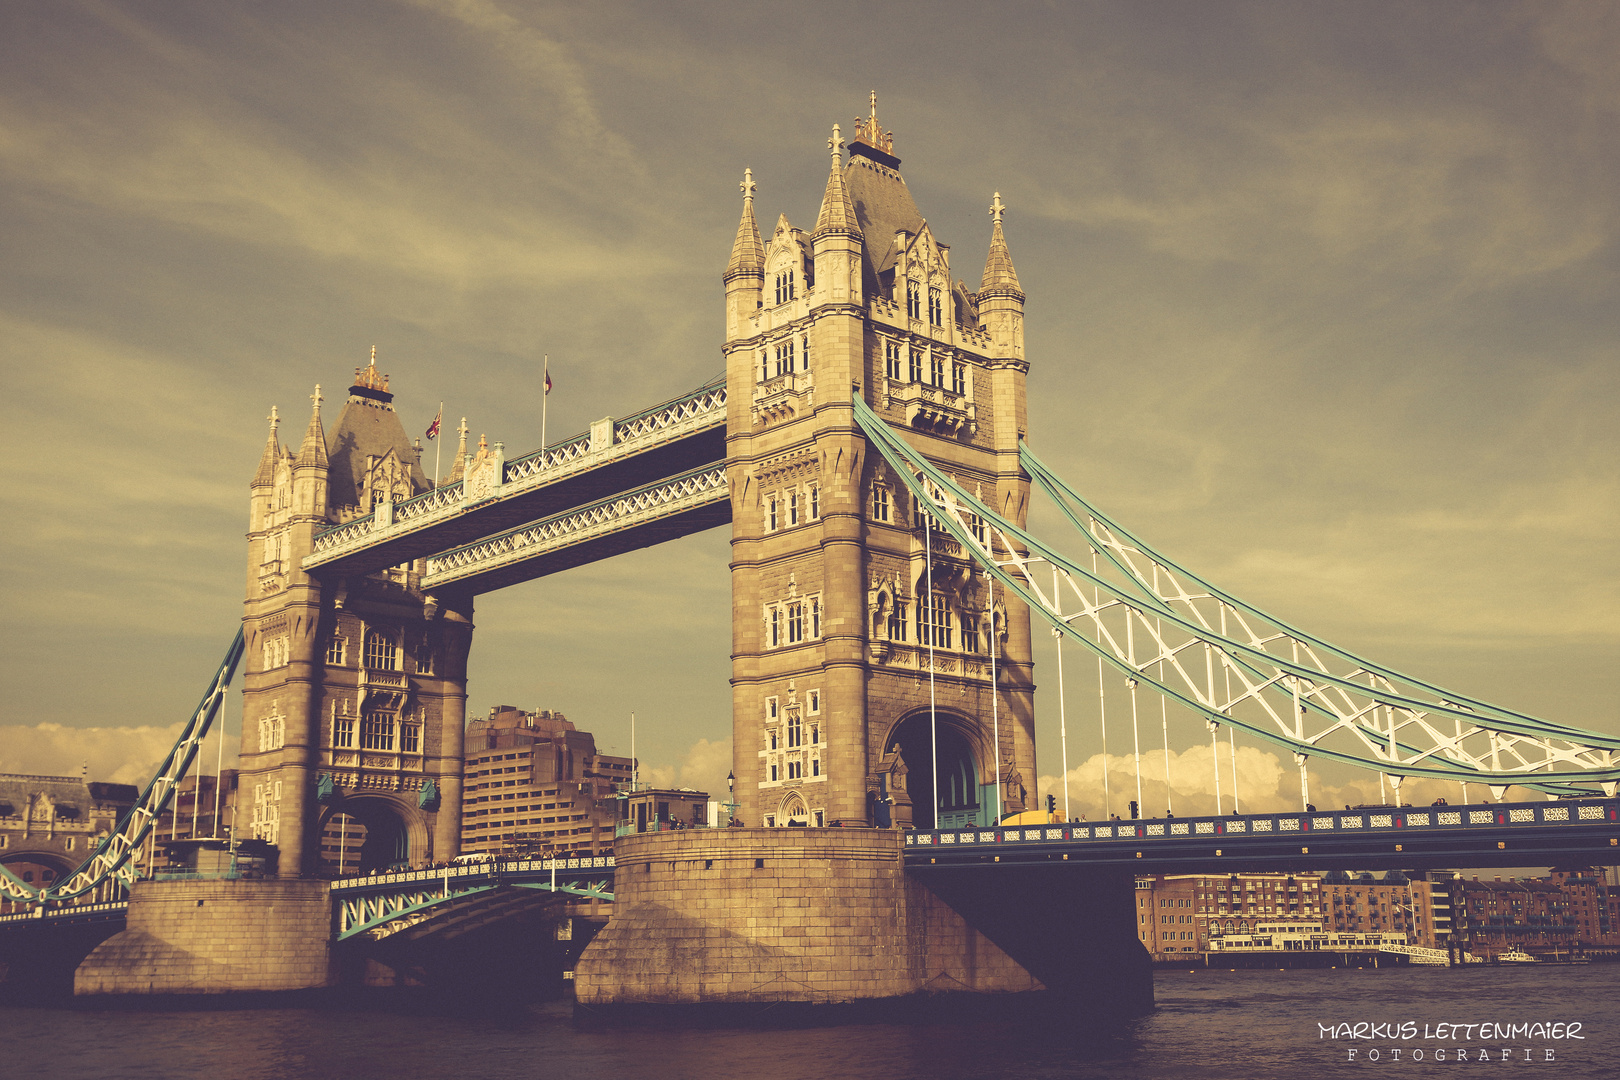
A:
(793, 811)
(959, 801)
(362, 836)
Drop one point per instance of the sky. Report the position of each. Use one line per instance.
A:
(1323, 301)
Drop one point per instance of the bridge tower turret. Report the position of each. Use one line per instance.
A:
(837, 713)
(354, 693)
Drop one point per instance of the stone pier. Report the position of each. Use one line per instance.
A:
(817, 916)
(216, 937)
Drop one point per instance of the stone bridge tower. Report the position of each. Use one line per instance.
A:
(354, 693)
(833, 611)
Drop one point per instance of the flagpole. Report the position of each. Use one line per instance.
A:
(545, 396)
(438, 446)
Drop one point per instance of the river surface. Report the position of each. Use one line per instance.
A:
(1242, 1024)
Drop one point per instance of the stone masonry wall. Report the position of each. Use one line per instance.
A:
(214, 937)
(800, 915)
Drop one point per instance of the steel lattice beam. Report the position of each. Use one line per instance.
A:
(1225, 661)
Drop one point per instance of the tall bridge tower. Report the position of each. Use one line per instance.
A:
(863, 642)
(354, 694)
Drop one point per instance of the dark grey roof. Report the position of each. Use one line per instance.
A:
(365, 428)
(883, 206)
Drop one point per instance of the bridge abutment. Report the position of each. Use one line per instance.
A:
(216, 937)
(815, 916)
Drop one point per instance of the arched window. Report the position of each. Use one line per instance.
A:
(381, 653)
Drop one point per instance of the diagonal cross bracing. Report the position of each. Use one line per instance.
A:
(1229, 663)
(113, 858)
(671, 508)
(678, 435)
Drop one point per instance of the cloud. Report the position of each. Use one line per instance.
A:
(120, 755)
(703, 767)
(1264, 784)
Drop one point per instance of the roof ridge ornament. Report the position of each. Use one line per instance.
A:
(997, 208)
(870, 132)
(836, 145)
(368, 377)
(748, 185)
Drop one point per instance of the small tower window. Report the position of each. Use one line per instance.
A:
(936, 368)
(805, 363)
(377, 732)
(334, 650)
(381, 653)
(784, 286)
(913, 300)
(880, 503)
(815, 616)
(795, 731)
(959, 378)
(772, 514)
(897, 621)
(891, 360)
(815, 501)
(793, 507)
(795, 623)
(936, 307)
(914, 365)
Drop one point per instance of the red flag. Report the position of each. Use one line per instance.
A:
(433, 428)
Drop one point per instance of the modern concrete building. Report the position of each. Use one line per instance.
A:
(536, 785)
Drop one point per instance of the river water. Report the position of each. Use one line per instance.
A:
(1246, 1025)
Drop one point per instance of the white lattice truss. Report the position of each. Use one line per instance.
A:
(1163, 628)
(688, 415)
(114, 858)
(677, 495)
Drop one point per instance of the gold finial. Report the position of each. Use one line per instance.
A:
(836, 145)
(274, 418)
(997, 208)
(870, 132)
(747, 185)
(368, 376)
(483, 446)
(316, 398)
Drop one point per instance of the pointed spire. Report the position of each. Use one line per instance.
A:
(313, 450)
(998, 267)
(837, 211)
(266, 476)
(747, 251)
(460, 466)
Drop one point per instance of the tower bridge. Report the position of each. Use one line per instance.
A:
(866, 446)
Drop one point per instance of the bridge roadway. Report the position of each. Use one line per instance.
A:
(677, 436)
(1583, 831)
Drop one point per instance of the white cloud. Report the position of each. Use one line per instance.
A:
(120, 755)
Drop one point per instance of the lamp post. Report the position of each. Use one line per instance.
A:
(731, 795)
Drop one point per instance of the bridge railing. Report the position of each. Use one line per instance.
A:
(677, 418)
(583, 866)
(663, 499)
(1391, 821)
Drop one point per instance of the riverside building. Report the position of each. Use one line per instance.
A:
(534, 784)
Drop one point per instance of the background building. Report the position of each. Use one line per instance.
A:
(1566, 912)
(50, 824)
(534, 783)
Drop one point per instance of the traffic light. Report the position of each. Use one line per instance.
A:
(1051, 804)
(1133, 809)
